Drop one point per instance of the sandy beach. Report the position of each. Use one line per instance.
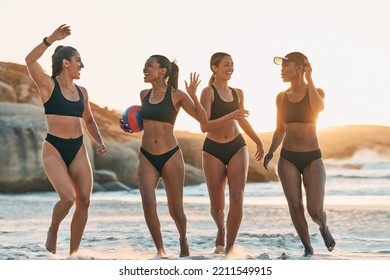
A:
(267, 246)
(116, 229)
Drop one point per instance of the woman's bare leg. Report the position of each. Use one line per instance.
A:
(292, 186)
(237, 172)
(148, 178)
(173, 178)
(81, 173)
(57, 173)
(314, 178)
(215, 174)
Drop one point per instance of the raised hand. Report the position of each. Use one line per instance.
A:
(194, 83)
(60, 33)
(308, 70)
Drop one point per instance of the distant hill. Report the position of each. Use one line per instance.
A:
(344, 141)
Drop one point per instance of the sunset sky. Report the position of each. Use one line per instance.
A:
(347, 43)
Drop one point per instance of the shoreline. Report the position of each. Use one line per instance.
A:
(376, 201)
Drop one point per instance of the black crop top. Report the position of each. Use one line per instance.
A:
(162, 112)
(59, 105)
(299, 112)
(220, 108)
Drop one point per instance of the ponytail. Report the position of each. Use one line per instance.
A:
(58, 56)
(212, 79)
(173, 79)
(172, 70)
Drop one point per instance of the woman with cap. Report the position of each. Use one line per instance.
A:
(64, 154)
(225, 155)
(300, 157)
(160, 155)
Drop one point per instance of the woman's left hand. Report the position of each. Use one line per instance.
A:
(259, 152)
(308, 70)
(101, 150)
(194, 83)
(267, 159)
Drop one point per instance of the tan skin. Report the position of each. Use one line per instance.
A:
(223, 130)
(158, 138)
(74, 183)
(301, 137)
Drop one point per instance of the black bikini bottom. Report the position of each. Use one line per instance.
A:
(68, 148)
(158, 161)
(300, 159)
(224, 151)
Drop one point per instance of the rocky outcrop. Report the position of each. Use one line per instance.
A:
(7, 93)
(122, 159)
(17, 78)
(22, 129)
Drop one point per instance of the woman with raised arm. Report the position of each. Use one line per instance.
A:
(64, 154)
(300, 158)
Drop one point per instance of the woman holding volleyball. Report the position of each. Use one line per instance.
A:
(64, 154)
(160, 155)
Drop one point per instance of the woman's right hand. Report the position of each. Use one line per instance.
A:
(267, 159)
(125, 127)
(238, 114)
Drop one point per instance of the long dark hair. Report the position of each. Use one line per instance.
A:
(59, 55)
(172, 70)
(215, 60)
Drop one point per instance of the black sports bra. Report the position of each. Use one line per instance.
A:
(59, 105)
(299, 112)
(220, 108)
(163, 111)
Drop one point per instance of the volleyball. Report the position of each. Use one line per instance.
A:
(132, 118)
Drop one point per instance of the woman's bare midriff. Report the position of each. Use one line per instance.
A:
(64, 126)
(226, 133)
(300, 137)
(158, 137)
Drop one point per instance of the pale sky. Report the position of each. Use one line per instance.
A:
(347, 43)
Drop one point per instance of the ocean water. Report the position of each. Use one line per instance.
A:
(357, 205)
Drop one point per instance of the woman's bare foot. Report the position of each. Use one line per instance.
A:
(308, 252)
(219, 250)
(184, 250)
(51, 242)
(229, 251)
(161, 253)
(220, 240)
(329, 241)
